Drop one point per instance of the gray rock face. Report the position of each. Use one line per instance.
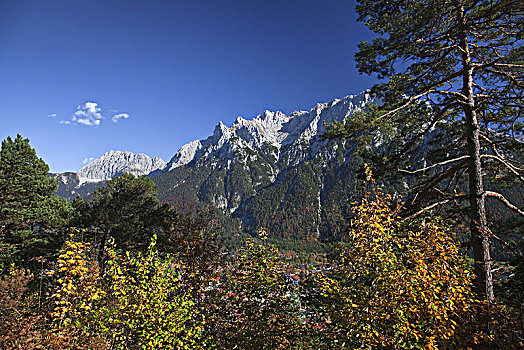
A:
(114, 163)
(272, 171)
(273, 130)
(69, 186)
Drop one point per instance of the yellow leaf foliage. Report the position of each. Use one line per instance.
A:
(396, 286)
(78, 284)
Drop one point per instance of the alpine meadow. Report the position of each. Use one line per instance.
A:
(391, 218)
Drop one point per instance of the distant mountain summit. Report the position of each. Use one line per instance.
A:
(100, 170)
(114, 163)
(273, 171)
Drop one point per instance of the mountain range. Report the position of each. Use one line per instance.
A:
(273, 171)
(100, 170)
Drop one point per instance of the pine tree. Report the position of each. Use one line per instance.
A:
(456, 65)
(30, 212)
(126, 210)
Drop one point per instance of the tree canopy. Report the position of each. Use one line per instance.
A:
(30, 212)
(397, 285)
(126, 210)
(457, 66)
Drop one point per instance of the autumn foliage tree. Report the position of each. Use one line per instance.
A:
(254, 308)
(140, 302)
(396, 285)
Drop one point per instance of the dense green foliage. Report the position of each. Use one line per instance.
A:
(31, 215)
(302, 203)
(389, 285)
(126, 210)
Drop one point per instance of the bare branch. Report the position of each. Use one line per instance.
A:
(423, 210)
(427, 90)
(504, 243)
(434, 165)
(428, 127)
(505, 201)
(512, 65)
(506, 164)
(408, 102)
(494, 148)
(431, 206)
(452, 93)
(433, 182)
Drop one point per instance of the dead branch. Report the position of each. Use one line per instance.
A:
(505, 201)
(423, 210)
(408, 102)
(436, 179)
(504, 243)
(434, 165)
(428, 127)
(494, 148)
(431, 206)
(452, 93)
(506, 164)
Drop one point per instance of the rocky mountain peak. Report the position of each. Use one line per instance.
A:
(114, 163)
(275, 129)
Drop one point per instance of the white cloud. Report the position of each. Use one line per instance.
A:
(117, 117)
(87, 160)
(87, 121)
(88, 114)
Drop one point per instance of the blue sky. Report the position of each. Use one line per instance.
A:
(168, 70)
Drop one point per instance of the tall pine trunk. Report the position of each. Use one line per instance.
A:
(478, 224)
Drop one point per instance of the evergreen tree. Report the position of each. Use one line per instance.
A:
(30, 212)
(126, 210)
(456, 65)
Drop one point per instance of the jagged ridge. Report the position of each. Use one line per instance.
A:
(274, 129)
(114, 163)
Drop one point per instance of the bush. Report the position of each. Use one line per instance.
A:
(396, 285)
(141, 302)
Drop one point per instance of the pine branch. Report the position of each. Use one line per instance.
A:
(428, 127)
